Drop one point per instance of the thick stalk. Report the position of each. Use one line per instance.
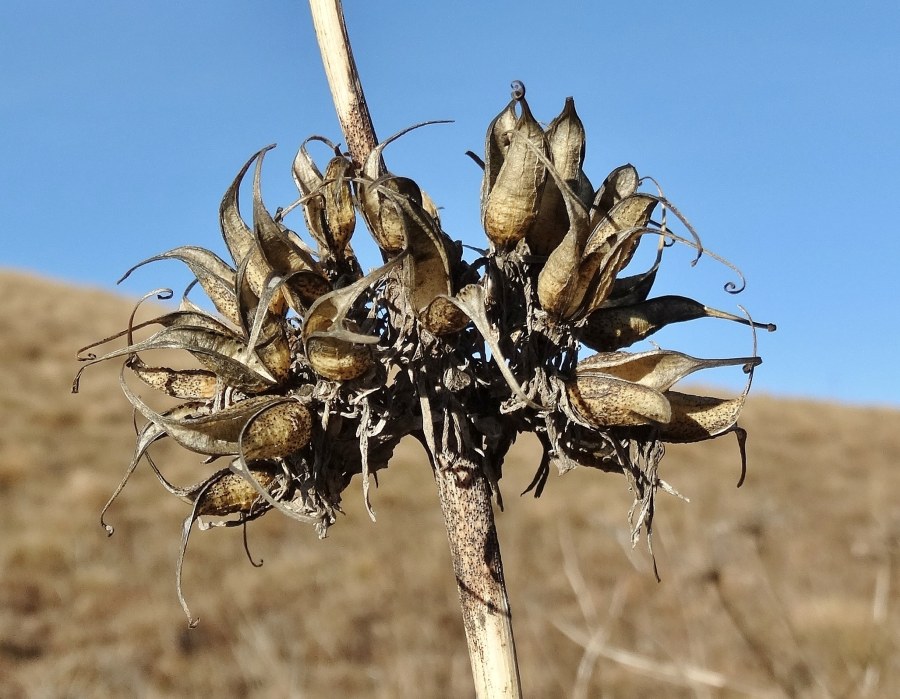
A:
(343, 78)
(475, 550)
(464, 495)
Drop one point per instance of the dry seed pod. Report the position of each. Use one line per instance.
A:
(609, 329)
(607, 401)
(309, 181)
(608, 251)
(558, 281)
(280, 255)
(339, 360)
(335, 349)
(386, 224)
(619, 184)
(215, 434)
(178, 383)
(215, 276)
(224, 493)
(657, 369)
(218, 350)
(427, 268)
(696, 418)
(566, 143)
(340, 215)
(496, 144)
(277, 431)
(630, 213)
(512, 202)
(385, 221)
(230, 493)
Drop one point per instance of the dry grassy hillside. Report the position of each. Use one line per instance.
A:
(788, 586)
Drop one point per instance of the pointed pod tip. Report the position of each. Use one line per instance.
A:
(518, 89)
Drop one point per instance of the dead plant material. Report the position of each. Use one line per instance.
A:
(310, 371)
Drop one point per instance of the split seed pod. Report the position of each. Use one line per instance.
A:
(566, 143)
(427, 276)
(512, 188)
(335, 348)
(386, 224)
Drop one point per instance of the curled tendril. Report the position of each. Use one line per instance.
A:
(518, 89)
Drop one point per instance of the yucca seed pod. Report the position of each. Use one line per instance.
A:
(334, 346)
(496, 144)
(340, 214)
(658, 369)
(385, 221)
(338, 360)
(697, 418)
(230, 493)
(608, 329)
(608, 401)
(620, 183)
(278, 431)
(566, 145)
(608, 251)
(512, 201)
(194, 384)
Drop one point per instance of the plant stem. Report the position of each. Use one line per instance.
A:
(464, 494)
(475, 550)
(343, 78)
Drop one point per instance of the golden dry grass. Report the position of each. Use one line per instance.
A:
(787, 586)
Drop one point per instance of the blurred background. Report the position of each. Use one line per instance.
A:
(772, 127)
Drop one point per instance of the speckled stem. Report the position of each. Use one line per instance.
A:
(343, 78)
(464, 495)
(466, 505)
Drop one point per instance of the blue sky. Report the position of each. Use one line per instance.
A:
(774, 127)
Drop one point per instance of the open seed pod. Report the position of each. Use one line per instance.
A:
(386, 223)
(513, 178)
(566, 145)
(620, 388)
(335, 347)
(427, 275)
(327, 199)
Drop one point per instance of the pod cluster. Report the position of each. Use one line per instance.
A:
(304, 371)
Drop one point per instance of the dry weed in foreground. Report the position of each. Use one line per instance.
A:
(311, 372)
